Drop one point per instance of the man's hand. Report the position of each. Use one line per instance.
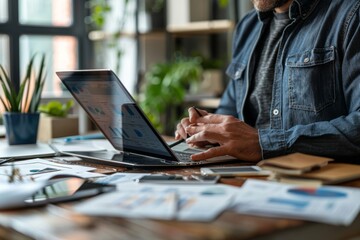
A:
(180, 132)
(235, 138)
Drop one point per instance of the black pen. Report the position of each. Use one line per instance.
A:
(182, 140)
(6, 160)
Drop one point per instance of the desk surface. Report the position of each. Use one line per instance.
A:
(55, 222)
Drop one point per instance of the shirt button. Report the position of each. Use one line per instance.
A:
(237, 74)
(276, 112)
(306, 60)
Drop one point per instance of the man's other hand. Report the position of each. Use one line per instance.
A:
(234, 137)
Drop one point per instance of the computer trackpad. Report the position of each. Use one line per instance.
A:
(184, 147)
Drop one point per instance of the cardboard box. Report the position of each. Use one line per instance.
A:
(53, 127)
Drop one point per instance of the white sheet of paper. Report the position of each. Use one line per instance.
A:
(333, 205)
(13, 195)
(36, 168)
(86, 175)
(194, 203)
(117, 178)
(131, 204)
(25, 150)
(78, 146)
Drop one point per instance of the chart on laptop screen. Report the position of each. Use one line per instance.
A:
(116, 114)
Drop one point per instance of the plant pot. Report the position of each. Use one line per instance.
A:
(53, 127)
(21, 128)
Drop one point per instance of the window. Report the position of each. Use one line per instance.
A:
(4, 59)
(50, 27)
(3, 11)
(4, 49)
(46, 13)
(120, 53)
(61, 52)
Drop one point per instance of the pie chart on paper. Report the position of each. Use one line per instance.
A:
(317, 192)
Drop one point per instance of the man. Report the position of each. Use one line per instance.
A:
(295, 85)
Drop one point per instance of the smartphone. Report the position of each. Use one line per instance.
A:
(177, 179)
(67, 189)
(234, 171)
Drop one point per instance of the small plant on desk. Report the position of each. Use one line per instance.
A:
(21, 103)
(56, 108)
(55, 120)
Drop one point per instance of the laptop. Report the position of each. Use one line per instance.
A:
(115, 112)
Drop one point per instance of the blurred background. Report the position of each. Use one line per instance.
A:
(170, 54)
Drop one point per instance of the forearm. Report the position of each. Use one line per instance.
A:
(339, 138)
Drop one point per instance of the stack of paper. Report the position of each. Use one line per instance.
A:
(188, 203)
(42, 169)
(333, 205)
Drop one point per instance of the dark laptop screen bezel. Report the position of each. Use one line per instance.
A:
(66, 76)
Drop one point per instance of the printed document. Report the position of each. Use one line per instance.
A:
(187, 203)
(333, 205)
(42, 169)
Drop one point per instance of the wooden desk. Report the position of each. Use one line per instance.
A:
(53, 222)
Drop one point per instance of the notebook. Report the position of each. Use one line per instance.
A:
(115, 112)
(294, 164)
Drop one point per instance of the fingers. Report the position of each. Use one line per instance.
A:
(180, 132)
(204, 132)
(210, 153)
(195, 114)
(215, 119)
(198, 134)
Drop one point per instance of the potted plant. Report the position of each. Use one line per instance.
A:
(165, 89)
(55, 120)
(21, 117)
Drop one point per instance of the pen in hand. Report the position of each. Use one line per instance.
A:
(182, 140)
(197, 111)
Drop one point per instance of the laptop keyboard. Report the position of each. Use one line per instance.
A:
(183, 157)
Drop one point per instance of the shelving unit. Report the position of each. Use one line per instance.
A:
(207, 31)
(212, 37)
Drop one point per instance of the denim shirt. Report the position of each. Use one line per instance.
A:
(315, 105)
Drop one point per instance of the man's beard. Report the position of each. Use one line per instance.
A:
(268, 5)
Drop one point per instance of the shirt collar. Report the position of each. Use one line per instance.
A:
(298, 8)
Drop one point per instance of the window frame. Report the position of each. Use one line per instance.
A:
(14, 29)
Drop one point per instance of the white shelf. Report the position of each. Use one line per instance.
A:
(101, 35)
(202, 27)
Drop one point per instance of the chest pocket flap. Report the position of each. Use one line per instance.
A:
(235, 70)
(309, 72)
(311, 58)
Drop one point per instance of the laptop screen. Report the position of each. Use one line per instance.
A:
(114, 111)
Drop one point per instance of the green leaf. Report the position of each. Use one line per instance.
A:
(39, 85)
(56, 108)
(27, 80)
(5, 105)
(223, 3)
(28, 96)
(9, 90)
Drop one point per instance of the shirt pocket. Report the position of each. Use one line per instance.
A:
(235, 70)
(312, 79)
